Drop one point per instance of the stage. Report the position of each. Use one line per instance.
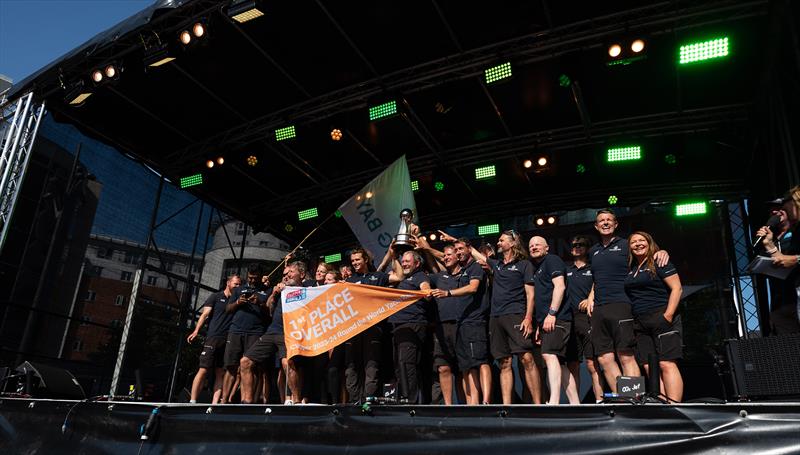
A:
(63, 426)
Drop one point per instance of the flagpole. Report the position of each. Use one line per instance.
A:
(299, 245)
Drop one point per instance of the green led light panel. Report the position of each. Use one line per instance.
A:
(489, 229)
(192, 180)
(331, 258)
(704, 50)
(497, 72)
(383, 110)
(281, 134)
(307, 214)
(438, 186)
(690, 208)
(624, 154)
(486, 172)
(415, 185)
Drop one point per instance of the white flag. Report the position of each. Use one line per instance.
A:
(374, 212)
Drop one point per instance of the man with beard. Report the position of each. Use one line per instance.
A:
(363, 351)
(410, 328)
(554, 320)
(609, 306)
(461, 296)
(213, 353)
(272, 343)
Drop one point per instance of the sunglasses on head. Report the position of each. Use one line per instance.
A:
(512, 233)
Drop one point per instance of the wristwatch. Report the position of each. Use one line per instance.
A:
(552, 312)
(449, 294)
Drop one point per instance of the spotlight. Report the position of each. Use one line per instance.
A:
(580, 169)
(220, 160)
(336, 134)
(626, 51)
(612, 200)
(110, 71)
(432, 237)
(210, 164)
(670, 159)
(198, 30)
(637, 46)
(369, 194)
(614, 50)
(244, 10)
(288, 227)
(539, 221)
(77, 95)
(185, 37)
(527, 164)
(252, 160)
(542, 161)
(97, 76)
(551, 220)
(438, 186)
(337, 214)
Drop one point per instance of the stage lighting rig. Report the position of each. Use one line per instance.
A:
(107, 73)
(157, 54)
(336, 134)
(196, 33)
(626, 51)
(77, 94)
(245, 10)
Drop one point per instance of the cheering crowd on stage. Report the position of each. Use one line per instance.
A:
(613, 304)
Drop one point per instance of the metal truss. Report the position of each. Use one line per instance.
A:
(745, 295)
(20, 123)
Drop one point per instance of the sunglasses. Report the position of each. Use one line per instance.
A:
(512, 233)
(579, 245)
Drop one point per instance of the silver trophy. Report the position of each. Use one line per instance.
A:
(405, 240)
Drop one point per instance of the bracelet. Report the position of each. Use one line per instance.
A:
(773, 250)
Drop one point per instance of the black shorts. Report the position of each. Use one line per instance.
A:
(612, 328)
(444, 346)
(654, 335)
(236, 346)
(555, 342)
(472, 347)
(505, 336)
(266, 347)
(213, 353)
(579, 345)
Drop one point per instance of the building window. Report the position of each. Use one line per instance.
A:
(240, 227)
(90, 296)
(96, 270)
(168, 265)
(132, 258)
(85, 319)
(77, 345)
(152, 280)
(126, 276)
(105, 253)
(119, 300)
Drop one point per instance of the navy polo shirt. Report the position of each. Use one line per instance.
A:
(646, 291)
(417, 311)
(464, 308)
(549, 268)
(508, 286)
(249, 319)
(370, 278)
(579, 284)
(276, 326)
(478, 308)
(220, 321)
(449, 308)
(309, 283)
(609, 269)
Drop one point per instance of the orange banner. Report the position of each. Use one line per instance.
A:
(320, 318)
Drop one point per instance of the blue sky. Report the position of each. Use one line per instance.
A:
(33, 33)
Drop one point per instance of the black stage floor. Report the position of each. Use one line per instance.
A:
(96, 427)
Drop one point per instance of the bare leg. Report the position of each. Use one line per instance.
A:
(570, 376)
(295, 379)
(446, 383)
(610, 369)
(553, 377)
(472, 381)
(673, 381)
(506, 379)
(219, 380)
(198, 382)
(246, 372)
(282, 381)
(486, 383)
(532, 378)
(628, 362)
(227, 385)
(597, 385)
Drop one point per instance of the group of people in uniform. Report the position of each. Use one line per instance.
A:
(614, 304)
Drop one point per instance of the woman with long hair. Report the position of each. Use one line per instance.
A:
(654, 293)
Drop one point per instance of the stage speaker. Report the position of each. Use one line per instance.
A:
(51, 382)
(765, 367)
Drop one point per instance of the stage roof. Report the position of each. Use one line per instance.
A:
(320, 65)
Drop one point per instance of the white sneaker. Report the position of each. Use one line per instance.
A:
(289, 402)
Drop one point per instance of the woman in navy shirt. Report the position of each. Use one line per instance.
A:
(654, 293)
